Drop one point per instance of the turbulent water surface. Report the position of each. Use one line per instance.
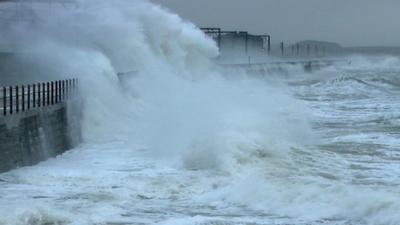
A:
(347, 175)
(183, 141)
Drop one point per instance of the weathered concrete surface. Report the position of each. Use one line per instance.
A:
(30, 137)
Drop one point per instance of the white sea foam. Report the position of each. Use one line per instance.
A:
(181, 141)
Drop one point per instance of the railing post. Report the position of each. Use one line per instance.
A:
(55, 92)
(29, 97)
(63, 90)
(23, 98)
(33, 95)
(59, 91)
(54, 84)
(17, 99)
(73, 87)
(11, 99)
(44, 94)
(4, 100)
(67, 89)
(38, 95)
(52, 92)
(48, 93)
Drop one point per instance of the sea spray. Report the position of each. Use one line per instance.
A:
(212, 141)
(176, 101)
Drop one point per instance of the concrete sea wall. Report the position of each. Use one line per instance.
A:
(36, 135)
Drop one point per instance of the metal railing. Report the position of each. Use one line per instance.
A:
(21, 98)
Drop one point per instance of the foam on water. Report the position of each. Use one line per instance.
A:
(182, 141)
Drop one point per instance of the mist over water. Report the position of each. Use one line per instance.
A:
(180, 140)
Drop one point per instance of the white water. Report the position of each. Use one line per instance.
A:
(184, 142)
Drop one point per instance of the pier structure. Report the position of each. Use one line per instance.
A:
(246, 44)
(241, 41)
(254, 52)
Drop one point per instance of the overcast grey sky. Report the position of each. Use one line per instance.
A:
(348, 22)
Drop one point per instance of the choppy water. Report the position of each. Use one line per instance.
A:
(183, 141)
(348, 174)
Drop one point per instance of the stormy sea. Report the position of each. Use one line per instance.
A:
(182, 139)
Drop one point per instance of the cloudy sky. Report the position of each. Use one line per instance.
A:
(348, 22)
